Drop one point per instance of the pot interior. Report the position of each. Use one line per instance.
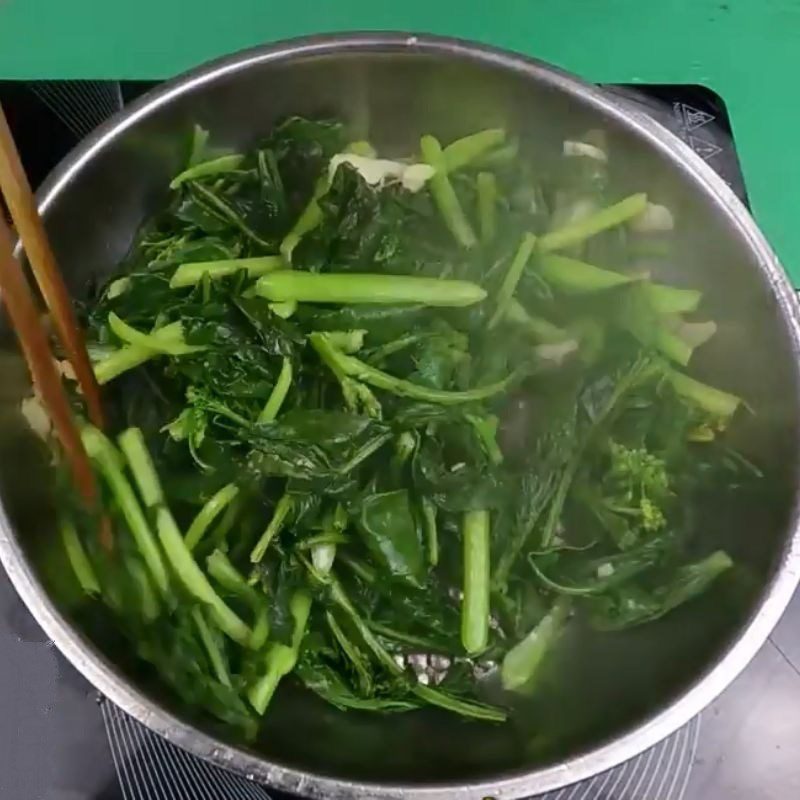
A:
(615, 681)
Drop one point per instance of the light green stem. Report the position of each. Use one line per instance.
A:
(108, 460)
(487, 206)
(208, 513)
(375, 289)
(133, 355)
(523, 661)
(280, 658)
(539, 328)
(215, 655)
(173, 346)
(179, 556)
(512, 276)
(279, 392)
(571, 276)
(475, 603)
(464, 151)
(444, 195)
(282, 509)
(582, 229)
(205, 169)
(193, 272)
(78, 559)
(355, 368)
(714, 401)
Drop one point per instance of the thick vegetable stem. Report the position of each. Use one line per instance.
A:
(215, 166)
(78, 558)
(509, 285)
(208, 513)
(215, 654)
(444, 194)
(352, 288)
(133, 355)
(523, 661)
(354, 368)
(280, 659)
(173, 346)
(571, 276)
(179, 556)
(487, 206)
(583, 229)
(103, 453)
(714, 401)
(282, 510)
(475, 602)
(279, 392)
(540, 329)
(192, 273)
(464, 151)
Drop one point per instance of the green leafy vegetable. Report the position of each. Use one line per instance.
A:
(384, 425)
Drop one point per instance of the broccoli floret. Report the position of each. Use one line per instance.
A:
(635, 489)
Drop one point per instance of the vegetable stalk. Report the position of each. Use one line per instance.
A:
(208, 513)
(583, 229)
(191, 273)
(103, 453)
(280, 659)
(179, 556)
(352, 288)
(509, 285)
(444, 195)
(355, 368)
(475, 602)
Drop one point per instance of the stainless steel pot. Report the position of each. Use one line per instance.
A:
(391, 88)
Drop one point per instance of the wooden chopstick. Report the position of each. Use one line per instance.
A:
(24, 212)
(21, 307)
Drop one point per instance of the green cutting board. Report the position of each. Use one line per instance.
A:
(748, 51)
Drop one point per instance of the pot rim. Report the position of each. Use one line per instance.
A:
(103, 675)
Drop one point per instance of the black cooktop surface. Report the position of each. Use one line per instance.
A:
(62, 741)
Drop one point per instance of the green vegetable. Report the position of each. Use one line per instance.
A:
(444, 195)
(110, 463)
(78, 558)
(523, 661)
(190, 273)
(177, 554)
(352, 288)
(464, 151)
(475, 605)
(148, 341)
(133, 355)
(390, 531)
(206, 169)
(208, 513)
(280, 659)
(364, 449)
(571, 276)
(359, 370)
(506, 291)
(602, 220)
(486, 184)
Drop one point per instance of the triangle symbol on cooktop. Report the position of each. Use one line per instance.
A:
(704, 148)
(695, 118)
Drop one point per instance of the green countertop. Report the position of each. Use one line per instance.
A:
(746, 50)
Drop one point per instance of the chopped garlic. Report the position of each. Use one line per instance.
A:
(654, 219)
(557, 351)
(585, 149)
(36, 417)
(376, 171)
(605, 570)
